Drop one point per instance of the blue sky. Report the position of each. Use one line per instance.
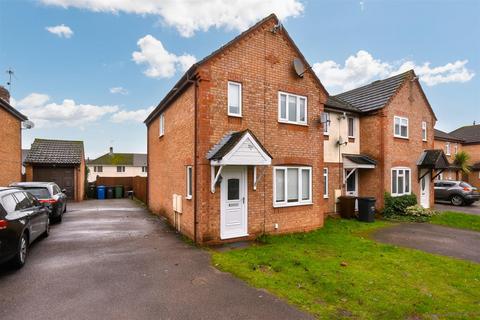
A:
(64, 77)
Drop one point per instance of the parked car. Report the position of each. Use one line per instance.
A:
(459, 193)
(23, 219)
(48, 193)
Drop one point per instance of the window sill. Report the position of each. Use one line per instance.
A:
(325, 197)
(293, 204)
(399, 195)
(294, 123)
(188, 197)
(400, 137)
(235, 115)
(326, 134)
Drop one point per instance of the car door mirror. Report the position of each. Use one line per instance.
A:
(64, 190)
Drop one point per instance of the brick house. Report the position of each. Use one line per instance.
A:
(59, 161)
(471, 144)
(385, 142)
(11, 140)
(450, 145)
(235, 149)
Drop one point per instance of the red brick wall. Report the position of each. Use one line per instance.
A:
(394, 152)
(335, 181)
(474, 151)
(168, 157)
(10, 151)
(262, 62)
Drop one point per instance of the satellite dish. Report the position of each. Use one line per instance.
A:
(28, 124)
(299, 67)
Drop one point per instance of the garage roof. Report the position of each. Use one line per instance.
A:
(45, 151)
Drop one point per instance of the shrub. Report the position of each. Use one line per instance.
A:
(419, 211)
(398, 205)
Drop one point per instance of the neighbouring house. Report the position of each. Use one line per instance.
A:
(11, 140)
(380, 139)
(471, 145)
(235, 149)
(114, 164)
(451, 145)
(59, 161)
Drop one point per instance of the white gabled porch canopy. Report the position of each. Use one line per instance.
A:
(240, 148)
(355, 162)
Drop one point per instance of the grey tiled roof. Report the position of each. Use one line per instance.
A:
(470, 134)
(229, 141)
(375, 95)
(434, 159)
(442, 135)
(336, 103)
(139, 160)
(45, 151)
(360, 159)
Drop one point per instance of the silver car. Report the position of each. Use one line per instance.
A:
(458, 193)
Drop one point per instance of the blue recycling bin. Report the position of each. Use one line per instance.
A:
(101, 192)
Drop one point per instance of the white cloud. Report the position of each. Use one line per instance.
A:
(61, 30)
(160, 62)
(119, 90)
(133, 115)
(363, 68)
(189, 16)
(68, 113)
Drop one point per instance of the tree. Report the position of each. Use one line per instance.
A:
(462, 161)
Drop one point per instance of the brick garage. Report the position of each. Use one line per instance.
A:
(11, 133)
(261, 61)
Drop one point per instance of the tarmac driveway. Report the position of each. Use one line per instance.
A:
(112, 260)
(462, 244)
(472, 209)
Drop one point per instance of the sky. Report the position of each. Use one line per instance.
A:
(92, 70)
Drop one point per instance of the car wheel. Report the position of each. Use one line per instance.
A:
(21, 255)
(65, 208)
(47, 230)
(457, 200)
(59, 218)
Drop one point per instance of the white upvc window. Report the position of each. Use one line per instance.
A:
(400, 128)
(447, 148)
(401, 181)
(234, 99)
(325, 182)
(144, 169)
(455, 148)
(326, 123)
(97, 169)
(161, 125)
(292, 186)
(351, 127)
(120, 168)
(424, 131)
(292, 108)
(189, 182)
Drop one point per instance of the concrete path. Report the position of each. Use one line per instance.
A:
(462, 244)
(112, 260)
(472, 209)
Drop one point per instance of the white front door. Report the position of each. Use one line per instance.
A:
(233, 202)
(351, 184)
(425, 191)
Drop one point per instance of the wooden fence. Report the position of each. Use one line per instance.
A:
(137, 184)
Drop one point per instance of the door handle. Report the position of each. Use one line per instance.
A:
(243, 200)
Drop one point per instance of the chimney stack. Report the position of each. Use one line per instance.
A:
(4, 94)
(111, 150)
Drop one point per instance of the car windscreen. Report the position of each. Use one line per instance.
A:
(40, 193)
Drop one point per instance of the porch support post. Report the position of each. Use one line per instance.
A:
(438, 173)
(420, 177)
(214, 177)
(255, 178)
(349, 174)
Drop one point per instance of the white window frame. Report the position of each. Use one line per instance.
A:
(455, 148)
(397, 194)
(399, 135)
(122, 169)
(300, 201)
(161, 125)
(189, 182)
(98, 169)
(326, 123)
(297, 97)
(353, 127)
(424, 131)
(144, 169)
(231, 114)
(325, 181)
(447, 148)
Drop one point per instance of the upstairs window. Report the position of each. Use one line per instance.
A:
(400, 181)
(447, 148)
(234, 99)
(144, 169)
(400, 129)
(424, 131)
(161, 125)
(120, 168)
(292, 108)
(351, 127)
(326, 123)
(292, 186)
(97, 169)
(455, 148)
(325, 182)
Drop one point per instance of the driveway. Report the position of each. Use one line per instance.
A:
(473, 209)
(112, 260)
(462, 244)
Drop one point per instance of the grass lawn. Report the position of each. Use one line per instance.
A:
(376, 281)
(457, 220)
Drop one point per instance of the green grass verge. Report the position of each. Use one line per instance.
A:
(377, 281)
(457, 220)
